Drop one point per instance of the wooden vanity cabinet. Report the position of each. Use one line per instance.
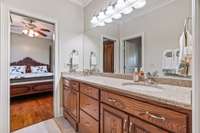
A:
(71, 102)
(93, 110)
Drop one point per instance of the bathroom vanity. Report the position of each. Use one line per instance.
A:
(96, 104)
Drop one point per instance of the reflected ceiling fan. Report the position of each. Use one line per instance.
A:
(32, 30)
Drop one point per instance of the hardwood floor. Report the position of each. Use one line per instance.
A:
(28, 110)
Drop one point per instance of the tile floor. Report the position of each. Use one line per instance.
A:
(56, 125)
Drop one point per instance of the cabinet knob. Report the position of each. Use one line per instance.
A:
(124, 126)
(130, 127)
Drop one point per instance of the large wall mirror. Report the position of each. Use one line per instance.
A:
(150, 38)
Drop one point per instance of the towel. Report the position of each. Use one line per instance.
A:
(93, 60)
(75, 59)
(185, 55)
(167, 60)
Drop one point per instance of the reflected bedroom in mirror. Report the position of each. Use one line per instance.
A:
(128, 44)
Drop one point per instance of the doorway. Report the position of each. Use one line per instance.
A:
(132, 54)
(108, 55)
(31, 71)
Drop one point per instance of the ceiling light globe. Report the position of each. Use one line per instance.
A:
(117, 16)
(109, 10)
(139, 4)
(120, 4)
(94, 20)
(108, 20)
(127, 10)
(101, 24)
(101, 16)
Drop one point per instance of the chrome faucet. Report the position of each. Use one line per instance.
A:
(151, 77)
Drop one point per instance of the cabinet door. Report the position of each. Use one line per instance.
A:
(67, 99)
(113, 121)
(139, 126)
(71, 102)
(74, 104)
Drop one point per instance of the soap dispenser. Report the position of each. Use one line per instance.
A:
(135, 75)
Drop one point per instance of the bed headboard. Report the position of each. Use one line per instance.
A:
(28, 62)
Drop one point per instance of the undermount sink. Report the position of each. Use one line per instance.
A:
(145, 87)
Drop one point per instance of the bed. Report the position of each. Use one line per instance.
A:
(30, 83)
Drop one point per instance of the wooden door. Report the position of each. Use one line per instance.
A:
(113, 121)
(108, 56)
(139, 126)
(74, 110)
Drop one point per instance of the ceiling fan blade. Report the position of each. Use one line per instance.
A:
(41, 33)
(46, 30)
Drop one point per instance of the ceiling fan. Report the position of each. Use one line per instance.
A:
(31, 29)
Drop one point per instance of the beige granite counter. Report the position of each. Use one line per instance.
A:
(168, 94)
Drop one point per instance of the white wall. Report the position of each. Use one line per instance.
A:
(70, 22)
(36, 48)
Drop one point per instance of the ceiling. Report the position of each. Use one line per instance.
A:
(17, 25)
(82, 3)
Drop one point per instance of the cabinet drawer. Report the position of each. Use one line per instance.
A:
(88, 124)
(89, 90)
(74, 85)
(43, 87)
(89, 105)
(66, 82)
(20, 90)
(162, 117)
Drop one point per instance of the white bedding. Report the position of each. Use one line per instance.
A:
(30, 75)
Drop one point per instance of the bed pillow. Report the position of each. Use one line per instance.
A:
(17, 70)
(39, 69)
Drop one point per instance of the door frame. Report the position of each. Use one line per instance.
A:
(5, 63)
(122, 40)
(196, 66)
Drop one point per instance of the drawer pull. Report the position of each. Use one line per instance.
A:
(154, 116)
(124, 126)
(130, 127)
(111, 100)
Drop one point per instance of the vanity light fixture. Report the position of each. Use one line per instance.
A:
(116, 10)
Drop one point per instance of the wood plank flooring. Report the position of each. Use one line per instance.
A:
(28, 110)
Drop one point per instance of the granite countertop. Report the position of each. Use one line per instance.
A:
(167, 94)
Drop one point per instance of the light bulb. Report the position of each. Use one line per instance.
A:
(94, 20)
(139, 4)
(108, 20)
(127, 10)
(131, 1)
(109, 10)
(101, 24)
(101, 16)
(36, 34)
(25, 31)
(120, 4)
(117, 16)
